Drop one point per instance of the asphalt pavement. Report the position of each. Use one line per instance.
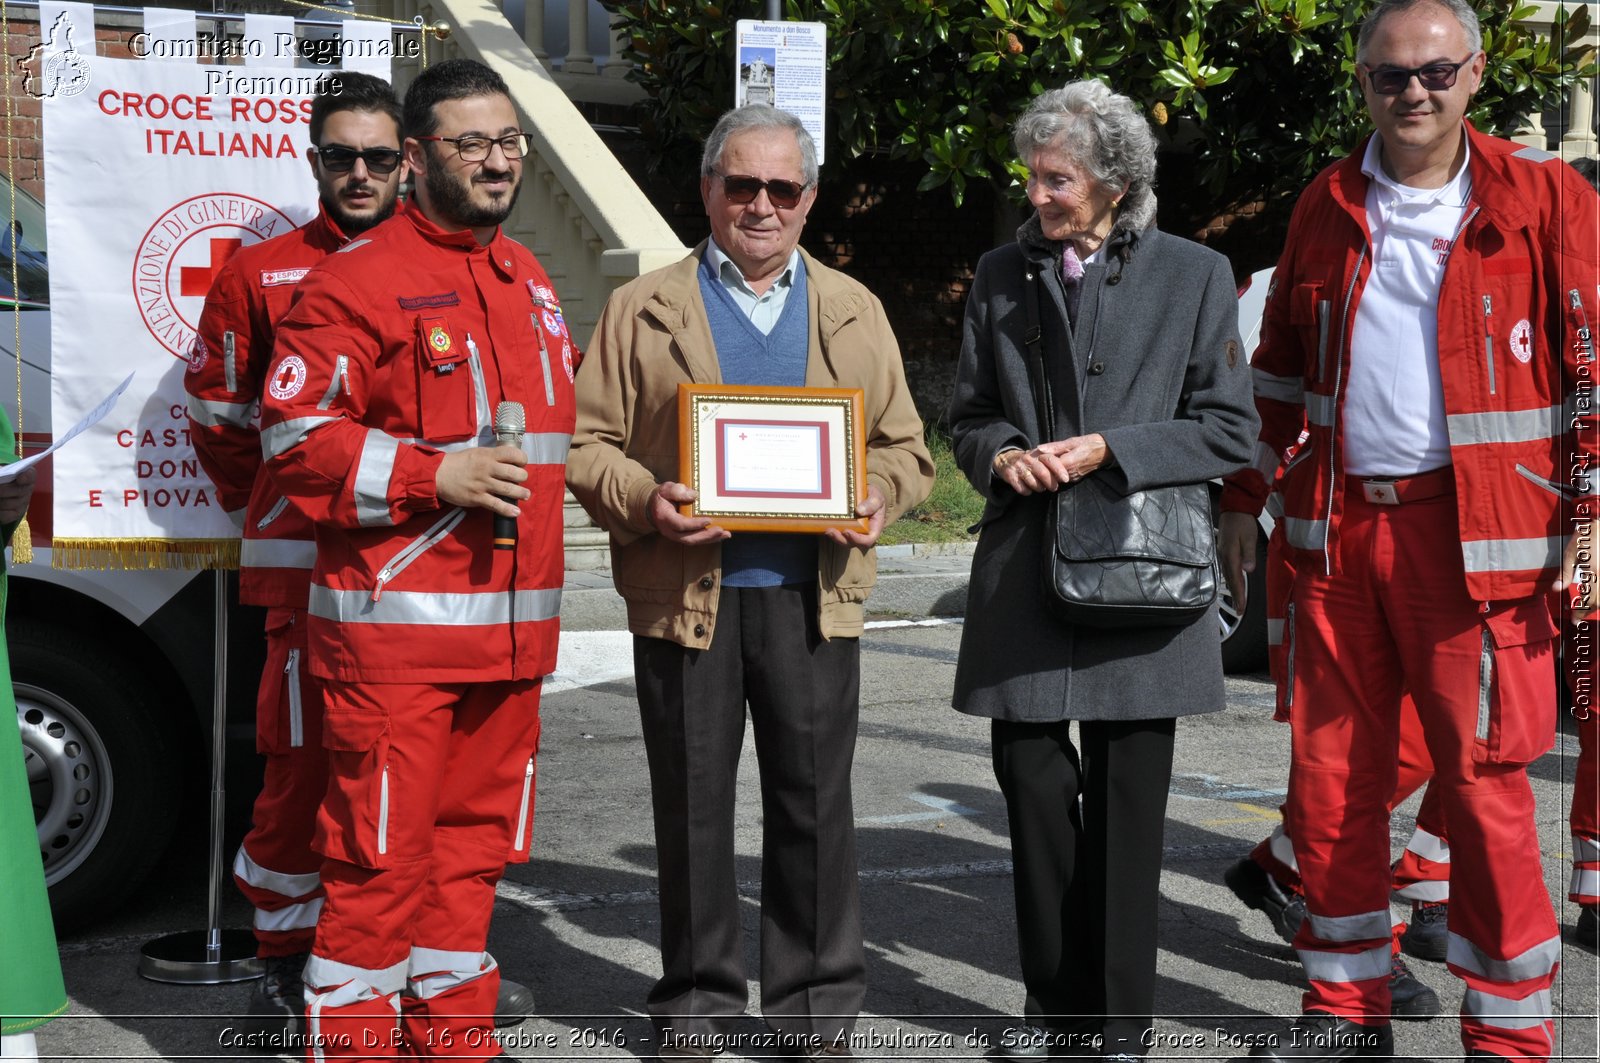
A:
(578, 923)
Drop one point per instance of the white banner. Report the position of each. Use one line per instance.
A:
(154, 174)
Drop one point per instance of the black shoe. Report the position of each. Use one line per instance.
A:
(1587, 932)
(1428, 936)
(1316, 1035)
(276, 1013)
(1250, 883)
(514, 1004)
(1409, 998)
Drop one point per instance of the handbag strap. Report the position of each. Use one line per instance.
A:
(1038, 376)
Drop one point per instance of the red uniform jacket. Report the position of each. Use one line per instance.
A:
(398, 349)
(231, 352)
(1516, 353)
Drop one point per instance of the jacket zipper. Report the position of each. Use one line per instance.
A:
(1488, 339)
(383, 812)
(1288, 668)
(230, 374)
(1333, 412)
(1485, 684)
(544, 360)
(272, 514)
(1324, 308)
(1559, 490)
(480, 393)
(1581, 322)
(416, 548)
(291, 680)
(340, 381)
(522, 814)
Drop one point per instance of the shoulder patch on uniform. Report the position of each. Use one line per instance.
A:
(272, 278)
(198, 354)
(428, 302)
(1533, 154)
(288, 378)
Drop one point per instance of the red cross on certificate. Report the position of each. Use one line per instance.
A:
(196, 280)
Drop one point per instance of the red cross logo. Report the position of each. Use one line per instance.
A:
(289, 379)
(196, 280)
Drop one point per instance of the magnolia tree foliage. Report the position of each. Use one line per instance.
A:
(1260, 93)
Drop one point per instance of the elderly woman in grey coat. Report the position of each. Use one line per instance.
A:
(1139, 337)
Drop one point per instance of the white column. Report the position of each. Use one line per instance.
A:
(533, 28)
(579, 58)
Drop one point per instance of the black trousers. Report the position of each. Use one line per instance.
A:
(1086, 841)
(804, 700)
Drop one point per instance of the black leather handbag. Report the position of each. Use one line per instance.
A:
(1145, 559)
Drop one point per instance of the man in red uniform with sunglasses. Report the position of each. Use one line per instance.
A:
(356, 160)
(1430, 316)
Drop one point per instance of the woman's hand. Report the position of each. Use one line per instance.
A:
(1051, 466)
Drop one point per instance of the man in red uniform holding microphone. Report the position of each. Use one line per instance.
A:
(388, 419)
(1430, 316)
(356, 161)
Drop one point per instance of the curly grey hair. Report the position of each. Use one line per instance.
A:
(1103, 132)
(1461, 9)
(759, 116)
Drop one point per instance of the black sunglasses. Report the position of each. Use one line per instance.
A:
(742, 188)
(1435, 77)
(342, 160)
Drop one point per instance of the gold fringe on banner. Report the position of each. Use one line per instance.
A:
(21, 543)
(144, 553)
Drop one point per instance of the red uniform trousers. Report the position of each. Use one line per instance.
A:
(275, 867)
(1583, 642)
(1397, 617)
(430, 795)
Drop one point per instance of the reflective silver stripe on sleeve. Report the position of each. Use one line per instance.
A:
(230, 373)
(1512, 555)
(1265, 461)
(1537, 962)
(1345, 966)
(208, 413)
(1504, 426)
(1275, 632)
(433, 971)
(1585, 850)
(277, 553)
(1282, 388)
(1585, 882)
(1319, 409)
(430, 608)
(1363, 926)
(1305, 534)
(286, 435)
(1429, 846)
(373, 471)
(1505, 1014)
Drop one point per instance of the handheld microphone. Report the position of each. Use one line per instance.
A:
(510, 423)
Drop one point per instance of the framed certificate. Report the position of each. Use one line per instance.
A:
(772, 459)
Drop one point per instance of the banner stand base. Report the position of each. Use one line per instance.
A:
(189, 958)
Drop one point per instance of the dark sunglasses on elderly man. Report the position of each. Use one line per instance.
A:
(742, 188)
(339, 159)
(1435, 77)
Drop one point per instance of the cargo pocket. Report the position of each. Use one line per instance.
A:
(273, 708)
(353, 823)
(1516, 684)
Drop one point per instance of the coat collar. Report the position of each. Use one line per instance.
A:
(1494, 188)
(1039, 249)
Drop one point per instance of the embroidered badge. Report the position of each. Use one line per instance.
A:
(439, 345)
(1522, 341)
(428, 302)
(566, 359)
(553, 323)
(439, 339)
(272, 278)
(198, 354)
(543, 295)
(288, 378)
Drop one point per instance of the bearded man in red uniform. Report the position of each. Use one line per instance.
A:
(378, 422)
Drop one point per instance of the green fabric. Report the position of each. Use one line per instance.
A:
(31, 990)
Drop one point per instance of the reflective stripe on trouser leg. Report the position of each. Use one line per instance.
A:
(449, 1004)
(352, 1012)
(1503, 1026)
(1585, 816)
(1423, 871)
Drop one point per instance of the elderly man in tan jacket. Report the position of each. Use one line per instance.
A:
(769, 620)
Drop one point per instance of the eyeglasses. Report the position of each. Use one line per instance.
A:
(742, 188)
(476, 149)
(1435, 77)
(339, 159)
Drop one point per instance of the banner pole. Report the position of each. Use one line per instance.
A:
(215, 955)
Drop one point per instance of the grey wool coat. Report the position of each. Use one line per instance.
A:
(1154, 364)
